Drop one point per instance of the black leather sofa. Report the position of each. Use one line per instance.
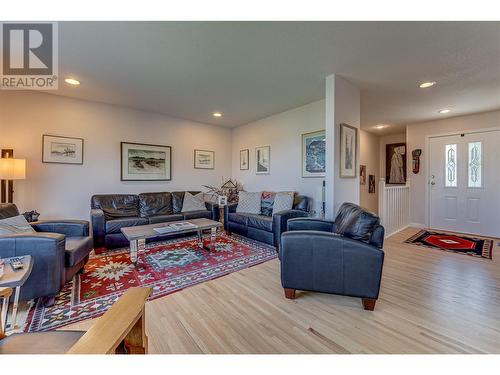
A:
(60, 248)
(111, 212)
(341, 257)
(261, 227)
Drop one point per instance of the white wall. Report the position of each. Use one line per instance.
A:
(342, 105)
(283, 133)
(369, 154)
(60, 190)
(384, 141)
(417, 138)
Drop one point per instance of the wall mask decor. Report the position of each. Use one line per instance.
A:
(416, 160)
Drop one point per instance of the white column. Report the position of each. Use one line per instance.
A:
(342, 105)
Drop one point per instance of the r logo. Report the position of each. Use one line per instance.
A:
(28, 49)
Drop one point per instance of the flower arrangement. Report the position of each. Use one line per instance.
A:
(229, 188)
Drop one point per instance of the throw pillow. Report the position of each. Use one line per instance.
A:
(266, 203)
(15, 224)
(249, 202)
(193, 202)
(283, 201)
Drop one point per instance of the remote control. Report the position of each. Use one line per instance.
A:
(16, 263)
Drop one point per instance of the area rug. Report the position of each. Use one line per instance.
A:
(166, 266)
(474, 246)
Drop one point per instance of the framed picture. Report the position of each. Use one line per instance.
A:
(348, 151)
(262, 160)
(313, 154)
(204, 159)
(144, 162)
(244, 160)
(371, 184)
(395, 163)
(362, 174)
(62, 150)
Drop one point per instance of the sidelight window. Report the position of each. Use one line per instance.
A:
(450, 166)
(475, 165)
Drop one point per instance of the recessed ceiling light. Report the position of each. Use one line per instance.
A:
(444, 110)
(381, 126)
(217, 114)
(427, 84)
(72, 81)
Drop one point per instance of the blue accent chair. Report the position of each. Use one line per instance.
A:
(343, 257)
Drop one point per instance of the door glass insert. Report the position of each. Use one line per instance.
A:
(475, 165)
(450, 166)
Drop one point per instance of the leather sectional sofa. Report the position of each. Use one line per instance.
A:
(111, 212)
(60, 248)
(261, 227)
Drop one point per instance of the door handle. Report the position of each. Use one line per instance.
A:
(433, 183)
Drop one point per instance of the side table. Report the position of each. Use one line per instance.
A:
(15, 280)
(221, 215)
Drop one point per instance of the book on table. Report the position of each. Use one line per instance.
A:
(174, 227)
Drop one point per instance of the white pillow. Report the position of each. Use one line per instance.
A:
(15, 224)
(283, 201)
(193, 202)
(249, 203)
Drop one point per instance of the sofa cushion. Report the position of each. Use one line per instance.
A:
(117, 206)
(249, 202)
(193, 202)
(266, 203)
(154, 204)
(354, 222)
(283, 201)
(15, 224)
(8, 210)
(260, 222)
(77, 248)
(197, 214)
(114, 226)
(178, 200)
(237, 218)
(165, 218)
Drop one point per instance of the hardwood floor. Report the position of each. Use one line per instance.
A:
(431, 301)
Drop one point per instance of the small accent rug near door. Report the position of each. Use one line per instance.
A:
(166, 266)
(469, 245)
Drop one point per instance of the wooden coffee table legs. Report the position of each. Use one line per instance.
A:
(211, 246)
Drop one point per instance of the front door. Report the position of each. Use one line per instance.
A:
(464, 183)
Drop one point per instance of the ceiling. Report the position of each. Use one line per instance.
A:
(250, 70)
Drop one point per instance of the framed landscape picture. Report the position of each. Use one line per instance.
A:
(62, 150)
(145, 162)
(348, 151)
(262, 160)
(313, 154)
(204, 159)
(244, 160)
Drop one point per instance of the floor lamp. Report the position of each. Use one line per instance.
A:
(12, 169)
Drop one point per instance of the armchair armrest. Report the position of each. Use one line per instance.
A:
(229, 208)
(69, 228)
(280, 220)
(377, 237)
(309, 223)
(214, 210)
(47, 250)
(328, 262)
(98, 226)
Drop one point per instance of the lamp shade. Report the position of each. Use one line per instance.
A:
(12, 169)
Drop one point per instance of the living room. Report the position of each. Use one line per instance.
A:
(250, 187)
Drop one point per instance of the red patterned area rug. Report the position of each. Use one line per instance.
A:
(469, 245)
(166, 266)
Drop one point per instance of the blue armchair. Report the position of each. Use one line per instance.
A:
(340, 257)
